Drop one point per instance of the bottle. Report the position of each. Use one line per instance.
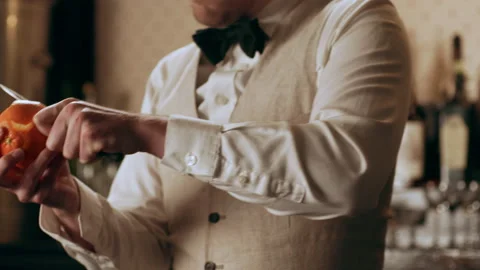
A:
(455, 123)
(90, 93)
(411, 155)
(475, 142)
(432, 149)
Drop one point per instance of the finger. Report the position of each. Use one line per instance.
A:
(48, 179)
(58, 133)
(42, 191)
(33, 173)
(90, 140)
(71, 147)
(3, 132)
(10, 160)
(7, 164)
(46, 117)
(86, 146)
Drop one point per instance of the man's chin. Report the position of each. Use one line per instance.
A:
(212, 18)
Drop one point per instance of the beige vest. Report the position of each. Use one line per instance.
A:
(247, 237)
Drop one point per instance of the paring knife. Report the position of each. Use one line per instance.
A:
(17, 96)
(12, 93)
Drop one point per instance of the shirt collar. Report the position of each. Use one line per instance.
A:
(273, 14)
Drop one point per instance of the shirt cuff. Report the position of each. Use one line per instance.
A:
(90, 222)
(192, 146)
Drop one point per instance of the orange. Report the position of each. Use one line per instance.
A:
(20, 132)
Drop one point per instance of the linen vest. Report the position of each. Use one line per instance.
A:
(281, 88)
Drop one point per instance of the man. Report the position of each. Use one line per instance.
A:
(271, 147)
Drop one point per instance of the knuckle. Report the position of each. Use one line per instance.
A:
(69, 151)
(85, 115)
(71, 108)
(97, 146)
(53, 144)
(79, 103)
(69, 100)
(68, 154)
(87, 110)
(38, 199)
(23, 197)
(87, 131)
(111, 141)
(89, 128)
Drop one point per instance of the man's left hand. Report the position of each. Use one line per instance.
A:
(81, 130)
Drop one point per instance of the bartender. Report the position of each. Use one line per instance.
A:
(269, 142)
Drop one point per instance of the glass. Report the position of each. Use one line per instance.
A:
(437, 206)
(471, 206)
(454, 191)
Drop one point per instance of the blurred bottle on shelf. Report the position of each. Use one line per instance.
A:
(456, 125)
(432, 151)
(90, 93)
(410, 165)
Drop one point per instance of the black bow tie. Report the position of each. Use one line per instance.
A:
(215, 42)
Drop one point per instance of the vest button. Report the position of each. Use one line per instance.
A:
(214, 218)
(210, 266)
(221, 100)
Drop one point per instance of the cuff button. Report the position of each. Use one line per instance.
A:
(191, 159)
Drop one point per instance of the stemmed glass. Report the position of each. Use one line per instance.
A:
(447, 196)
(454, 192)
(471, 206)
(437, 203)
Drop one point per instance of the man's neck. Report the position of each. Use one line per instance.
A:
(257, 7)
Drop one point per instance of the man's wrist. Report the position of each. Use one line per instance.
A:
(71, 208)
(152, 131)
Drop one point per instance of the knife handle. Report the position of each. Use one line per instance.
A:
(111, 156)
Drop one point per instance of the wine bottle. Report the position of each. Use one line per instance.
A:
(432, 149)
(411, 155)
(455, 122)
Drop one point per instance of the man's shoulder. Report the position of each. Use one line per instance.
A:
(173, 64)
(179, 57)
(351, 7)
(346, 13)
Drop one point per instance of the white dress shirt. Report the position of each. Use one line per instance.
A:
(337, 174)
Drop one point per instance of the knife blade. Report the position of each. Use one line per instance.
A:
(12, 93)
(17, 96)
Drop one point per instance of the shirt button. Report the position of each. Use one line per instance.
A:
(210, 266)
(191, 160)
(243, 180)
(221, 100)
(214, 218)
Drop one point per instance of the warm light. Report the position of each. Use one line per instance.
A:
(12, 21)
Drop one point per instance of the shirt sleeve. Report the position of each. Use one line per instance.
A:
(339, 162)
(127, 229)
